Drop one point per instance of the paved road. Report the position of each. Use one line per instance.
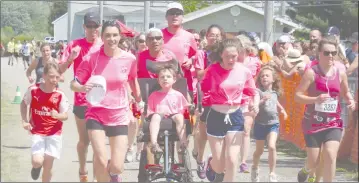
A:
(16, 142)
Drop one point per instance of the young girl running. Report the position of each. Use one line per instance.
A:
(48, 108)
(266, 126)
(167, 103)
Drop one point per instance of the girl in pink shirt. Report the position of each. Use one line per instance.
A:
(110, 117)
(167, 103)
(227, 80)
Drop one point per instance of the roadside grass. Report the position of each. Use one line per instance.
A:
(345, 167)
(10, 163)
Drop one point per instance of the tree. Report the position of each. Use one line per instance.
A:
(191, 5)
(322, 14)
(14, 14)
(57, 9)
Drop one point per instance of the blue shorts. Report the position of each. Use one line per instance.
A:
(260, 132)
(217, 127)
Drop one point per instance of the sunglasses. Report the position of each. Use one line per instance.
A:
(333, 53)
(92, 26)
(198, 40)
(177, 13)
(155, 37)
(141, 41)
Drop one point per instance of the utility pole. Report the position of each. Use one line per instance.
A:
(101, 12)
(147, 15)
(69, 22)
(268, 24)
(282, 9)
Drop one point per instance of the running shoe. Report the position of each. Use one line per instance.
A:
(273, 177)
(254, 175)
(243, 168)
(129, 156)
(201, 170)
(302, 175)
(83, 178)
(35, 173)
(311, 179)
(218, 177)
(210, 174)
(115, 178)
(138, 157)
(194, 154)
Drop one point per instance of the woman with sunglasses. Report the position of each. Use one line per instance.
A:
(320, 89)
(111, 117)
(133, 127)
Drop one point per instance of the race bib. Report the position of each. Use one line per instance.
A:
(329, 106)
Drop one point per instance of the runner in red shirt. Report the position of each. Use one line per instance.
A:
(74, 54)
(48, 108)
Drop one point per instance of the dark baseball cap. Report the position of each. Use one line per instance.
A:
(92, 17)
(333, 31)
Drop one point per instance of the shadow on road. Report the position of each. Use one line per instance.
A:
(16, 147)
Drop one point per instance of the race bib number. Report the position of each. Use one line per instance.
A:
(329, 106)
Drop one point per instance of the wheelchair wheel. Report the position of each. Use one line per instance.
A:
(187, 177)
(142, 174)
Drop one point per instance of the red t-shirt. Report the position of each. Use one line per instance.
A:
(142, 71)
(41, 104)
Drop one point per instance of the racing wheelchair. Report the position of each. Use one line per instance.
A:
(167, 138)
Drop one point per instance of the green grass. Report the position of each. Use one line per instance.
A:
(346, 167)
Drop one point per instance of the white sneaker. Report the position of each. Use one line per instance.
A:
(254, 175)
(129, 157)
(273, 177)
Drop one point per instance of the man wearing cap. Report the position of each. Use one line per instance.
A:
(282, 45)
(74, 54)
(181, 42)
(352, 52)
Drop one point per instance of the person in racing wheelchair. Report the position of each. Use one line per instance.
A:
(165, 122)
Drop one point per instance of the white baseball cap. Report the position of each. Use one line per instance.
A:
(284, 39)
(174, 5)
(98, 92)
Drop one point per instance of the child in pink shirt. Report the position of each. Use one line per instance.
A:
(166, 103)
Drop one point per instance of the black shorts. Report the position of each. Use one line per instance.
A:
(110, 131)
(26, 58)
(203, 117)
(79, 111)
(317, 139)
(217, 127)
(16, 54)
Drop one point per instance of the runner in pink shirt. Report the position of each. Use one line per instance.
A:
(250, 59)
(73, 55)
(111, 117)
(179, 41)
(228, 81)
(214, 33)
(167, 103)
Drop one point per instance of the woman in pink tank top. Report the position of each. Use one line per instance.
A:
(320, 89)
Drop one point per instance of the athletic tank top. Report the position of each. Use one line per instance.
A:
(319, 117)
(39, 71)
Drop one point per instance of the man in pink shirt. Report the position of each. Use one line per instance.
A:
(74, 54)
(179, 41)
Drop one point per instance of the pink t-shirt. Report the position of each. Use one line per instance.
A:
(200, 63)
(167, 103)
(228, 86)
(142, 71)
(337, 64)
(114, 108)
(183, 45)
(86, 47)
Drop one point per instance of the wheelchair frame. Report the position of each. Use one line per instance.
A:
(166, 139)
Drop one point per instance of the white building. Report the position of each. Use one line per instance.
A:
(131, 13)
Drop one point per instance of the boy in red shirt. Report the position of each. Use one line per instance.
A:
(48, 108)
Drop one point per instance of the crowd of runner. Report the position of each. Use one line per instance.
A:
(240, 81)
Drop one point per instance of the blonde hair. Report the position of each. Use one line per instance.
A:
(276, 86)
(247, 45)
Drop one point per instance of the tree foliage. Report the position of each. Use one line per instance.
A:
(194, 5)
(15, 14)
(57, 9)
(323, 14)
